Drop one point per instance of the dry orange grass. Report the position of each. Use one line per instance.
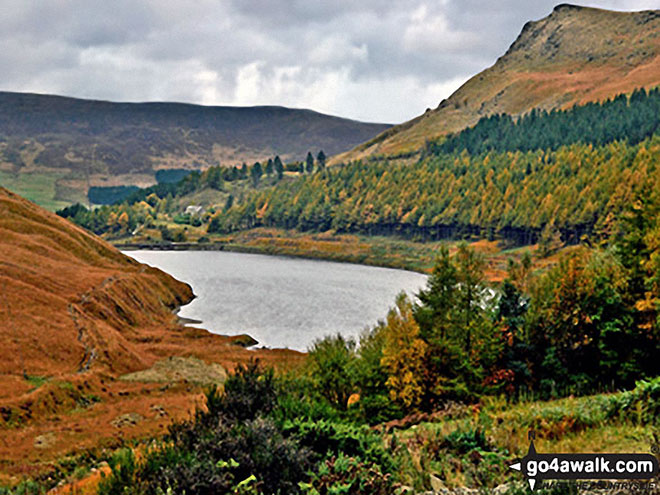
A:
(75, 314)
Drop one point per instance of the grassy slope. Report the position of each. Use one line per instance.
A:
(45, 188)
(575, 55)
(570, 425)
(75, 315)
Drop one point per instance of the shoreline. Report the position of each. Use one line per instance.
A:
(242, 339)
(358, 259)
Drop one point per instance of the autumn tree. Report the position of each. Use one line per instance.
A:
(371, 376)
(580, 326)
(637, 246)
(404, 354)
(549, 240)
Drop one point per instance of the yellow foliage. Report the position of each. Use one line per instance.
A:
(112, 219)
(261, 212)
(404, 354)
(123, 220)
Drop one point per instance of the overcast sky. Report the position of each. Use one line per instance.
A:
(374, 60)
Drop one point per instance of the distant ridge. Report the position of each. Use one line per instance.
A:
(574, 55)
(124, 143)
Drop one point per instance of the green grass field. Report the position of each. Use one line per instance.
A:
(40, 188)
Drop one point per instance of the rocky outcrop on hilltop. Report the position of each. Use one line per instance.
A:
(573, 56)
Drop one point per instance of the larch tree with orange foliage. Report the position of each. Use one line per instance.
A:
(404, 354)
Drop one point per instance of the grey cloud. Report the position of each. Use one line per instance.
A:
(277, 14)
(373, 60)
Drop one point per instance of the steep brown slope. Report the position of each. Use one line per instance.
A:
(575, 55)
(75, 315)
(71, 301)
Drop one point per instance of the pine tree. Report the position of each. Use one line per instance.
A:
(229, 203)
(214, 178)
(279, 168)
(472, 292)
(255, 173)
(320, 158)
(309, 162)
(438, 299)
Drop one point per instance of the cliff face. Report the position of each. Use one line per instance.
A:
(575, 55)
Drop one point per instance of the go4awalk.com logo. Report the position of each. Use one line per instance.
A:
(540, 467)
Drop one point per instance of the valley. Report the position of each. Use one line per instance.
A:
(499, 281)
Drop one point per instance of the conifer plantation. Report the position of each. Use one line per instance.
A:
(574, 170)
(571, 172)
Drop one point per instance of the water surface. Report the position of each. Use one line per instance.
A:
(279, 301)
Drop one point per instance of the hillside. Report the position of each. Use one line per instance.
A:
(568, 173)
(75, 316)
(573, 56)
(62, 143)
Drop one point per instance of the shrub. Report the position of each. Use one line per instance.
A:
(378, 408)
(124, 468)
(297, 397)
(24, 488)
(349, 475)
(230, 447)
(227, 454)
(328, 439)
(332, 361)
(640, 405)
(249, 392)
(462, 442)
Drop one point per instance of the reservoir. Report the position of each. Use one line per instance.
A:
(279, 301)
